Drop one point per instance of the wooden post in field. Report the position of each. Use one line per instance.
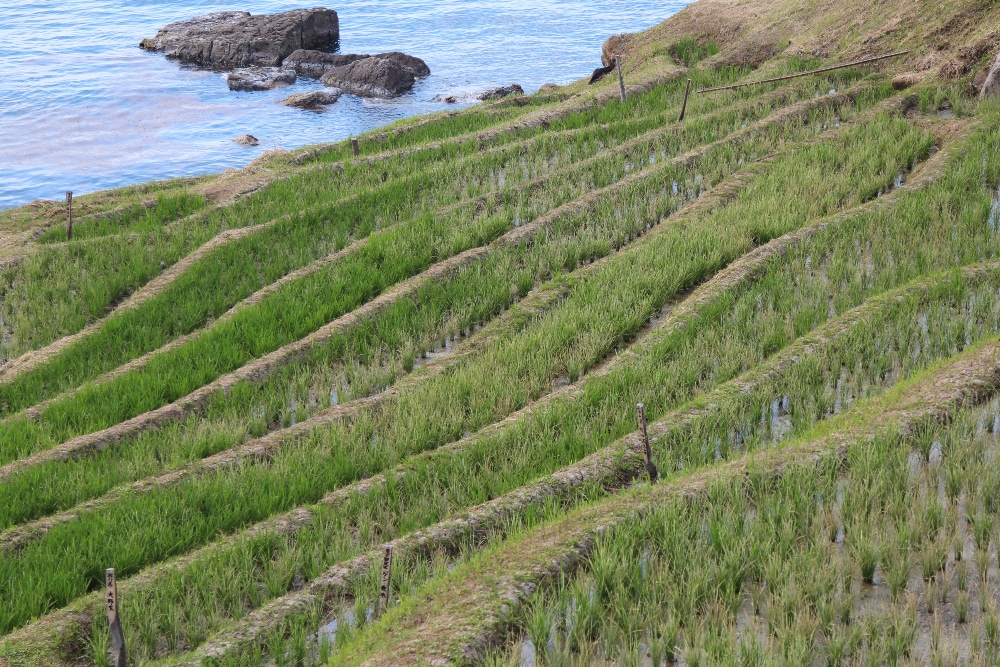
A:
(383, 593)
(684, 106)
(646, 451)
(111, 606)
(69, 215)
(621, 79)
(354, 146)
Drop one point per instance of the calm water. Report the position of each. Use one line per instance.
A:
(82, 108)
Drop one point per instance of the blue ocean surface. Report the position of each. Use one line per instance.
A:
(83, 108)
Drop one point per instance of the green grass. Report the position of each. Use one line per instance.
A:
(676, 580)
(620, 281)
(297, 309)
(166, 209)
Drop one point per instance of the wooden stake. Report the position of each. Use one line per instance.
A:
(383, 594)
(621, 79)
(69, 215)
(114, 621)
(354, 145)
(684, 106)
(646, 451)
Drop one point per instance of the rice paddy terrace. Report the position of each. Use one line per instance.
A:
(236, 390)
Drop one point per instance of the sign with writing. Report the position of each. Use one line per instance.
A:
(383, 594)
(111, 594)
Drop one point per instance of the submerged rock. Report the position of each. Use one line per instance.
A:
(259, 78)
(376, 76)
(308, 62)
(316, 99)
(246, 140)
(313, 63)
(225, 40)
(504, 91)
(991, 86)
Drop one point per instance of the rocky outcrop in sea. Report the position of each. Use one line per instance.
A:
(265, 51)
(226, 40)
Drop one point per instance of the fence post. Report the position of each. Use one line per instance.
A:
(114, 621)
(383, 594)
(646, 451)
(621, 79)
(69, 215)
(684, 106)
(354, 146)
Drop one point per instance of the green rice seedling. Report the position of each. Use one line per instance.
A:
(539, 624)
(140, 218)
(962, 606)
(983, 566)
(896, 568)
(864, 550)
(933, 558)
(962, 575)
(982, 529)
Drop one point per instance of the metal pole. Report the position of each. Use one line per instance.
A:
(354, 145)
(114, 620)
(812, 71)
(69, 215)
(383, 594)
(621, 79)
(684, 106)
(646, 451)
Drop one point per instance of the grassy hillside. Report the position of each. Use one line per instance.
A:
(237, 389)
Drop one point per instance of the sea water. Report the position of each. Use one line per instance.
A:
(83, 108)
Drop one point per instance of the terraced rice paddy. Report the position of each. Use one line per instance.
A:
(236, 390)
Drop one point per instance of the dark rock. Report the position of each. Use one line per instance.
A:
(371, 77)
(225, 40)
(497, 93)
(991, 85)
(451, 99)
(600, 72)
(412, 63)
(259, 78)
(315, 99)
(317, 63)
(246, 140)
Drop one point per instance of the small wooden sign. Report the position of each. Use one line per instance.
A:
(355, 147)
(114, 620)
(69, 215)
(646, 451)
(383, 594)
